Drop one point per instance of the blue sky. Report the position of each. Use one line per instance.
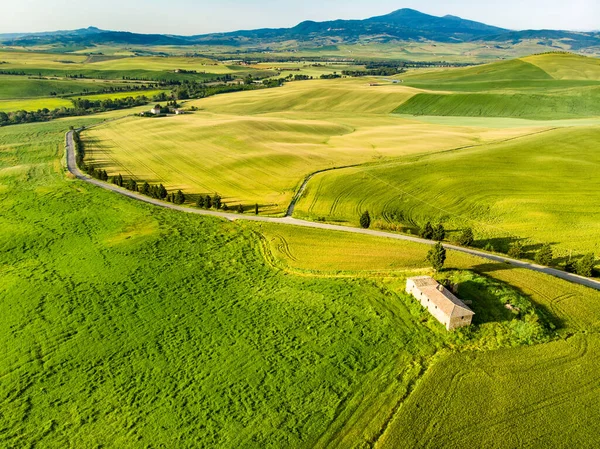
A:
(201, 16)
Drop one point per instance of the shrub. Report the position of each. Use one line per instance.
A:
(437, 256)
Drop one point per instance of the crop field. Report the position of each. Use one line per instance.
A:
(257, 147)
(117, 67)
(542, 87)
(20, 87)
(542, 396)
(33, 104)
(536, 203)
(127, 325)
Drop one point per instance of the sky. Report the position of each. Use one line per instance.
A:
(188, 17)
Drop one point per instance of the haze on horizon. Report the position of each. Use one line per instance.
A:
(190, 17)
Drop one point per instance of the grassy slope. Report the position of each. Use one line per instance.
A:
(550, 198)
(518, 88)
(125, 326)
(20, 87)
(256, 147)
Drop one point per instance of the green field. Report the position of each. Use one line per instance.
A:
(536, 203)
(126, 325)
(257, 146)
(542, 87)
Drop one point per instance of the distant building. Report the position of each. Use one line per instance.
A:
(156, 110)
(179, 111)
(440, 302)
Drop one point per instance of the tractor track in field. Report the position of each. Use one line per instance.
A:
(290, 221)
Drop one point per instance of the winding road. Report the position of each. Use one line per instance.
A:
(288, 220)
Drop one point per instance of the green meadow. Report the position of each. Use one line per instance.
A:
(126, 325)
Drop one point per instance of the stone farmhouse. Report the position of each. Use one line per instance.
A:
(440, 302)
(156, 110)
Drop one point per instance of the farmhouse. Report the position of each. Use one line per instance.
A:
(179, 111)
(443, 305)
(156, 110)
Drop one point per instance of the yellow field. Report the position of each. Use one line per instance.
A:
(33, 104)
(338, 253)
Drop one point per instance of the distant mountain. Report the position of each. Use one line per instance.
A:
(404, 24)
(401, 25)
(93, 36)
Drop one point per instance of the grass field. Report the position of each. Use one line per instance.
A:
(124, 325)
(118, 67)
(33, 104)
(537, 203)
(21, 87)
(256, 147)
(541, 87)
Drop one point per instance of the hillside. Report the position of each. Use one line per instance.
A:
(403, 25)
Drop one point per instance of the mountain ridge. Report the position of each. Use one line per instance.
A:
(400, 25)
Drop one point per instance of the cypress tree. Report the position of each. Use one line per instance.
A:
(426, 231)
(365, 220)
(544, 256)
(145, 190)
(179, 197)
(207, 202)
(225, 207)
(439, 233)
(466, 238)
(240, 209)
(437, 256)
(516, 250)
(162, 192)
(256, 209)
(200, 202)
(216, 200)
(585, 266)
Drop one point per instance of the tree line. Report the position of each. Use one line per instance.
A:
(583, 266)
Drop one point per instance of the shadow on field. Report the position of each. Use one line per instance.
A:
(489, 303)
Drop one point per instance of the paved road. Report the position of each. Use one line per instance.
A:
(72, 167)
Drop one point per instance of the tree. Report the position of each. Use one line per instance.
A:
(466, 238)
(365, 220)
(179, 197)
(207, 202)
(145, 188)
(216, 201)
(570, 266)
(437, 256)
(240, 209)
(201, 201)
(256, 209)
(439, 233)
(426, 231)
(585, 266)
(544, 256)
(162, 192)
(120, 180)
(225, 207)
(515, 250)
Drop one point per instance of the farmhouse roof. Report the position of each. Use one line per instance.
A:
(441, 297)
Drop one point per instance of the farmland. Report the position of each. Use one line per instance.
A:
(127, 325)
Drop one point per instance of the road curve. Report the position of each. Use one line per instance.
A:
(72, 167)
